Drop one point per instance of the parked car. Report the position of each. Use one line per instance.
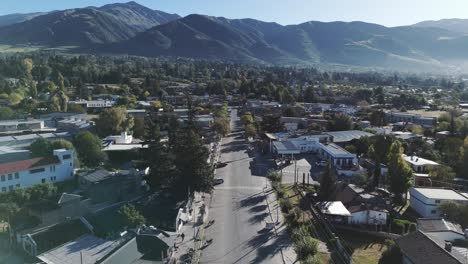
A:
(218, 181)
(321, 163)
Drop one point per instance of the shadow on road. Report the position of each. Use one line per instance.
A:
(258, 218)
(258, 208)
(252, 200)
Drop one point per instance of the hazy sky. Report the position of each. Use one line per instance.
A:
(385, 12)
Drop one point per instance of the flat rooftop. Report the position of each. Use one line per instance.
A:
(336, 150)
(87, 248)
(417, 161)
(442, 194)
(285, 146)
(346, 136)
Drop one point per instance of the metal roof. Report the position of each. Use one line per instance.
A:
(346, 136)
(441, 194)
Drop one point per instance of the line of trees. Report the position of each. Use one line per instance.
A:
(180, 165)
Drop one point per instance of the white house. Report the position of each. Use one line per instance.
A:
(25, 173)
(364, 214)
(426, 201)
(419, 165)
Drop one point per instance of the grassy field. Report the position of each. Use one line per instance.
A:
(366, 249)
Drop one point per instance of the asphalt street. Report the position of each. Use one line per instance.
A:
(239, 209)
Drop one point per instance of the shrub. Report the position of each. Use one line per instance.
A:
(307, 246)
(286, 205)
(311, 260)
(299, 232)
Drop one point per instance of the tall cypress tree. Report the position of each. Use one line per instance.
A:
(399, 172)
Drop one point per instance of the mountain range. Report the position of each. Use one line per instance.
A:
(133, 29)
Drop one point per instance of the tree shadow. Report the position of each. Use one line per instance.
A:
(258, 218)
(252, 200)
(258, 208)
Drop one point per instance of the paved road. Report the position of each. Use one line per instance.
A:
(239, 209)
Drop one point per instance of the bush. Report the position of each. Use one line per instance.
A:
(312, 260)
(274, 176)
(399, 226)
(299, 232)
(306, 247)
(286, 205)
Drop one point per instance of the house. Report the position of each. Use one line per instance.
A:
(426, 201)
(94, 106)
(74, 125)
(423, 247)
(24, 173)
(21, 125)
(396, 117)
(136, 113)
(105, 186)
(294, 123)
(339, 137)
(9, 154)
(364, 207)
(367, 214)
(335, 211)
(122, 142)
(418, 164)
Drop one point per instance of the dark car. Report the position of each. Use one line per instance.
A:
(218, 181)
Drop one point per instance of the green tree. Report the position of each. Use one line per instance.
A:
(139, 128)
(399, 173)
(89, 148)
(392, 255)
(327, 183)
(441, 175)
(271, 124)
(131, 216)
(6, 113)
(7, 211)
(250, 131)
(450, 210)
(43, 147)
(247, 118)
(113, 121)
(191, 160)
(222, 126)
(341, 122)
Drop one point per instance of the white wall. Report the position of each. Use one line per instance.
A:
(368, 217)
(52, 173)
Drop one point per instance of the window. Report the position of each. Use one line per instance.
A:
(52, 168)
(37, 170)
(68, 156)
(16, 175)
(433, 211)
(10, 188)
(437, 201)
(3, 178)
(53, 178)
(43, 180)
(3, 189)
(10, 177)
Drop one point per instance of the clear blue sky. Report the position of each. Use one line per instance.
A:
(385, 12)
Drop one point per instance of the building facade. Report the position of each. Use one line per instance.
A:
(26, 173)
(426, 201)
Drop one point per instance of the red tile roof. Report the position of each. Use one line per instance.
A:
(24, 165)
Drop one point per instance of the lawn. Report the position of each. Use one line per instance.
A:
(366, 249)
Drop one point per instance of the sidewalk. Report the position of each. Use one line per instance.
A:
(187, 249)
(287, 249)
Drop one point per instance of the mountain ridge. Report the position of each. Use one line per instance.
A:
(133, 29)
